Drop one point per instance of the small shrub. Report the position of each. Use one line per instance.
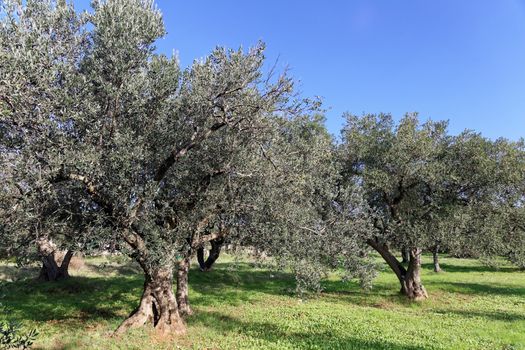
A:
(12, 334)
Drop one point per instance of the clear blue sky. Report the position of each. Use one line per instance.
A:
(448, 59)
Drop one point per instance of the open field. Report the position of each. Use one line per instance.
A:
(237, 306)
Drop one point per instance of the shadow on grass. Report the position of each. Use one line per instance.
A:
(224, 285)
(478, 288)
(14, 273)
(490, 315)
(76, 299)
(129, 269)
(313, 339)
(82, 299)
(385, 294)
(386, 298)
(447, 267)
(99, 298)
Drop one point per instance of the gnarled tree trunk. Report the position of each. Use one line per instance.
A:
(182, 287)
(411, 285)
(158, 305)
(409, 278)
(215, 251)
(51, 270)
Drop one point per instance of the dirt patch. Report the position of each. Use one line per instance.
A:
(384, 305)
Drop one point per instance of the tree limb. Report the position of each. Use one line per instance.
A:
(178, 153)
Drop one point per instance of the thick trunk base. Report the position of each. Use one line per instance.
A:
(411, 285)
(409, 277)
(51, 270)
(437, 268)
(414, 290)
(157, 307)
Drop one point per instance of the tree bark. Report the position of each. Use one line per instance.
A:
(409, 278)
(51, 270)
(201, 260)
(158, 305)
(435, 256)
(214, 253)
(182, 287)
(411, 285)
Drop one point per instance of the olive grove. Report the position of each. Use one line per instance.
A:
(105, 142)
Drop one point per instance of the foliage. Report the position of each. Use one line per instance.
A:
(427, 188)
(41, 43)
(402, 172)
(127, 146)
(12, 334)
(489, 222)
(310, 224)
(105, 141)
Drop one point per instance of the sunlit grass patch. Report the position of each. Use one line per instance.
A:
(238, 306)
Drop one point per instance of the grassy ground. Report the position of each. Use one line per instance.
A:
(471, 306)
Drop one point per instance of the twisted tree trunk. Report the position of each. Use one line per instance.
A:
(214, 253)
(411, 285)
(409, 278)
(158, 305)
(182, 287)
(51, 270)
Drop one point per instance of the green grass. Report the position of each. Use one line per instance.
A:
(237, 306)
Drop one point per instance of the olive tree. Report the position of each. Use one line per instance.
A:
(403, 173)
(492, 196)
(429, 190)
(165, 159)
(41, 43)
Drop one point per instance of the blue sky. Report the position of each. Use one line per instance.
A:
(463, 61)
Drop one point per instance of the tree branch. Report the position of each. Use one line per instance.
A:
(209, 237)
(391, 260)
(90, 187)
(178, 153)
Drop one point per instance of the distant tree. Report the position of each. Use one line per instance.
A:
(403, 172)
(26, 245)
(431, 190)
(508, 198)
(206, 263)
(493, 213)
